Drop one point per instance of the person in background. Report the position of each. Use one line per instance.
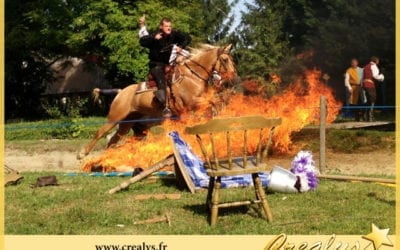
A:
(371, 78)
(352, 80)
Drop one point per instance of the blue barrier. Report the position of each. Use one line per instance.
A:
(151, 120)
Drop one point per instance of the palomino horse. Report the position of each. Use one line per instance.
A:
(184, 93)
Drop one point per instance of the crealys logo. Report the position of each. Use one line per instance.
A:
(374, 241)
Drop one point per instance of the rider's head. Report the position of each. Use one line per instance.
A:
(166, 26)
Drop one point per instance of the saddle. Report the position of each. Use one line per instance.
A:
(171, 72)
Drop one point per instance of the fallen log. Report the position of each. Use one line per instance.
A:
(168, 161)
(356, 178)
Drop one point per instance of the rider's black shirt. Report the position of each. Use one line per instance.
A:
(160, 50)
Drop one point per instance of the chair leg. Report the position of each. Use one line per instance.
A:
(260, 207)
(210, 193)
(215, 200)
(262, 196)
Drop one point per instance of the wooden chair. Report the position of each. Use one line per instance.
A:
(235, 165)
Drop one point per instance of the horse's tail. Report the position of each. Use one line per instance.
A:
(96, 95)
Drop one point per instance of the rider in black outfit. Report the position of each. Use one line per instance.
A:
(160, 44)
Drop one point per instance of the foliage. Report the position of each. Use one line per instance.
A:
(260, 86)
(39, 32)
(79, 206)
(35, 34)
(270, 35)
(260, 40)
(218, 19)
(273, 32)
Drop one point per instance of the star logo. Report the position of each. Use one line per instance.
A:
(378, 237)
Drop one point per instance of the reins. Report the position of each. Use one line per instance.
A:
(202, 67)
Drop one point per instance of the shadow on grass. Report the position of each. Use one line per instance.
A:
(376, 197)
(248, 210)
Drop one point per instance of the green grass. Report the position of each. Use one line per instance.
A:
(43, 146)
(80, 205)
(78, 128)
(26, 134)
(348, 140)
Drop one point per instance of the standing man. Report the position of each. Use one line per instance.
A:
(352, 81)
(371, 76)
(160, 44)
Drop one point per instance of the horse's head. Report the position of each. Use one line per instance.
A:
(215, 63)
(225, 68)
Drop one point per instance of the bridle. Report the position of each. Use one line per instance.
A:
(195, 72)
(214, 75)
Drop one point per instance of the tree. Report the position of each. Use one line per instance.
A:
(218, 19)
(35, 33)
(104, 31)
(274, 31)
(260, 40)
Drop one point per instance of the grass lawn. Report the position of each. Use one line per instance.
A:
(64, 128)
(81, 205)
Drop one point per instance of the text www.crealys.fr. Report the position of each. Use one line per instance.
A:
(143, 246)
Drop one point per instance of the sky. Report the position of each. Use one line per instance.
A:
(238, 8)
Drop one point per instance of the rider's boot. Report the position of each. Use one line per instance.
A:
(158, 73)
(161, 97)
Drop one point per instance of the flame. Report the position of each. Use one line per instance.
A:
(275, 78)
(298, 106)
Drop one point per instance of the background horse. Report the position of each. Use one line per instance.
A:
(184, 94)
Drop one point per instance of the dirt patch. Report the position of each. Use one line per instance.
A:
(372, 163)
(57, 161)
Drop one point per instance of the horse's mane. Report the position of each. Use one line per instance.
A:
(196, 52)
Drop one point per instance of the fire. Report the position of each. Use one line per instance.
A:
(298, 106)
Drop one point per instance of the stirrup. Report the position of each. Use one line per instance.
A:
(167, 113)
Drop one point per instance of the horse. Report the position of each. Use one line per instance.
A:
(182, 95)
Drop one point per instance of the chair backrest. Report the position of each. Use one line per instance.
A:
(229, 125)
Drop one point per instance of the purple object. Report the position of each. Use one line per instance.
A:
(303, 165)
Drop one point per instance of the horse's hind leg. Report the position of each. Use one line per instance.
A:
(100, 133)
(123, 129)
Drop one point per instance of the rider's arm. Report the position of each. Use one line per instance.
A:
(147, 41)
(182, 39)
(143, 32)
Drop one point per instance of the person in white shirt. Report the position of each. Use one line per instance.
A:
(371, 78)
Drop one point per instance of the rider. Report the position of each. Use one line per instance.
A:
(160, 44)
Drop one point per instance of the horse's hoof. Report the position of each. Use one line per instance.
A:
(167, 113)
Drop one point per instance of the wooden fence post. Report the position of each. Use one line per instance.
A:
(322, 131)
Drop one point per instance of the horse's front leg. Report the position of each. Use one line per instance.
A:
(100, 133)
